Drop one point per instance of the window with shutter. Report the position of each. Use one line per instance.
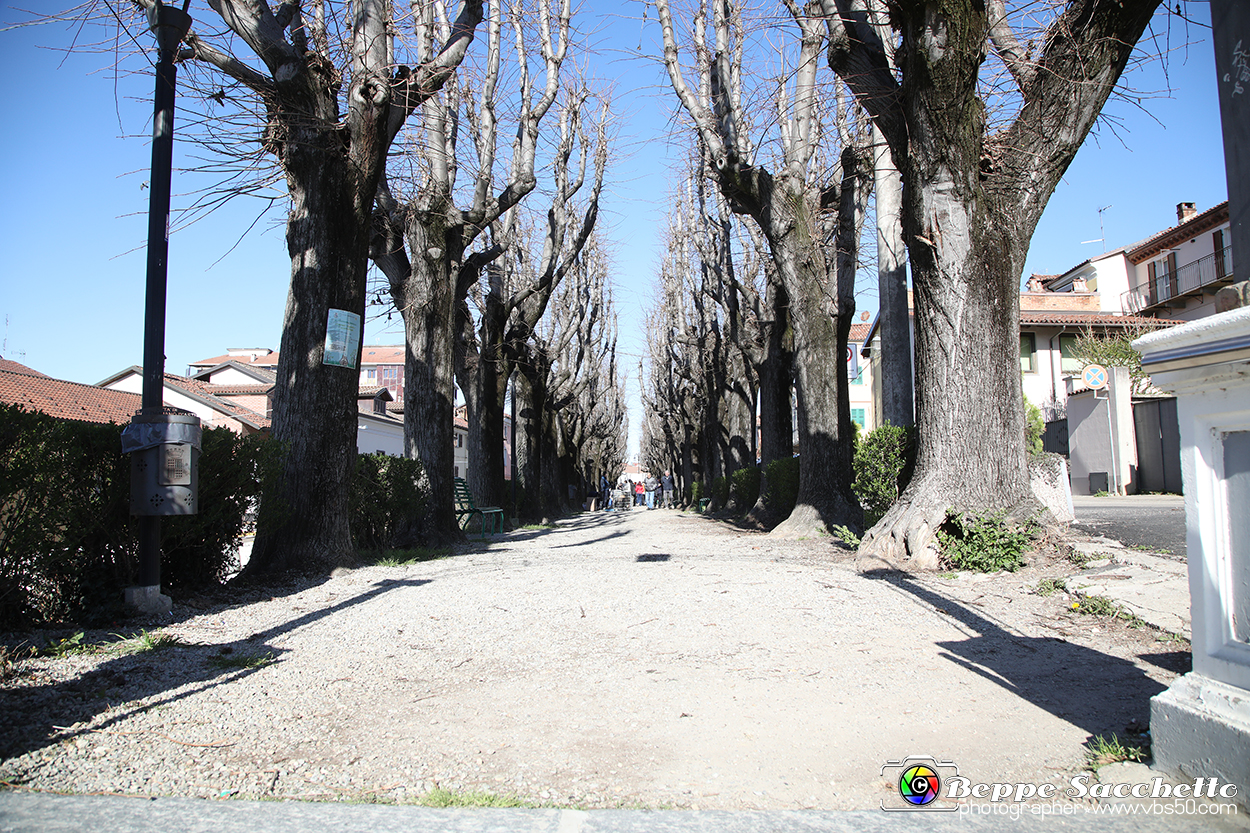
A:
(1028, 353)
(1173, 288)
(1218, 239)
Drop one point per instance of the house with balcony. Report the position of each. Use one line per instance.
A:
(1177, 272)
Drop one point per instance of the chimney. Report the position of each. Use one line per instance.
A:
(1184, 210)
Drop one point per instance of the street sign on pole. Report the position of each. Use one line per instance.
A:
(1094, 376)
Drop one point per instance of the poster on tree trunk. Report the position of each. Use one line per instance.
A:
(342, 338)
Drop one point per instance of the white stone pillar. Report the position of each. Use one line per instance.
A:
(1201, 725)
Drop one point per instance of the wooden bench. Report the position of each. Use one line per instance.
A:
(466, 509)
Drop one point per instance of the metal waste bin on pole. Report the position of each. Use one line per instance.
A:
(164, 451)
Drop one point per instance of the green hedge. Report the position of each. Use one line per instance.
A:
(68, 544)
(782, 476)
(387, 499)
(746, 486)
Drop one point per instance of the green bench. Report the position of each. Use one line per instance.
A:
(466, 509)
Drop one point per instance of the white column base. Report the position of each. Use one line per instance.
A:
(149, 599)
(1200, 728)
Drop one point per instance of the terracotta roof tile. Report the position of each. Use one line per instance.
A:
(68, 400)
(1060, 318)
(13, 367)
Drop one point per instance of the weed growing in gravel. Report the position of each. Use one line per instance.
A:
(985, 543)
(439, 797)
(68, 646)
(143, 641)
(1050, 586)
(1100, 751)
(1102, 606)
(232, 660)
(1077, 558)
(844, 535)
(1167, 636)
(404, 558)
(538, 526)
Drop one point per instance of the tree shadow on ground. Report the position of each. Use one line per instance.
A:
(36, 716)
(1098, 692)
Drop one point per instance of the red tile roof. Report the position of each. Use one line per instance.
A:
(1061, 318)
(382, 355)
(859, 332)
(14, 367)
(68, 400)
(264, 358)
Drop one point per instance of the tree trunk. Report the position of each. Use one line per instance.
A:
(821, 326)
(894, 324)
(484, 384)
(527, 442)
(428, 308)
(304, 524)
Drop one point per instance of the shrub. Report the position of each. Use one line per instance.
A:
(68, 545)
(720, 490)
(884, 459)
(387, 499)
(1034, 427)
(202, 549)
(782, 476)
(695, 492)
(745, 484)
(984, 543)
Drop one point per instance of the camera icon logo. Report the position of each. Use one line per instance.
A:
(918, 781)
(919, 785)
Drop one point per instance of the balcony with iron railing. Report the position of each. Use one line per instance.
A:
(1171, 289)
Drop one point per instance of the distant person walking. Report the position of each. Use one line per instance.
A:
(666, 482)
(651, 485)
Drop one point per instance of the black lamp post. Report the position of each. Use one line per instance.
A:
(170, 25)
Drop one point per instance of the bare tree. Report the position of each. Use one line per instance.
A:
(571, 407)
(432, 271)
(975, 184)
(328, 88)
(801, 217)
(509, 303)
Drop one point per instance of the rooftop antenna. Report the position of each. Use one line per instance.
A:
(1103, 238)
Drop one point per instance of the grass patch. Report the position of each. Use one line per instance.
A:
(1050, 586)
(229, 659)
(404, 558)
(948, 575)
(439, 797)
(1101, 751)
(1167, 636)
(143, 641)
(542, 526)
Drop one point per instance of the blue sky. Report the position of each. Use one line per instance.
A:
(74, 221)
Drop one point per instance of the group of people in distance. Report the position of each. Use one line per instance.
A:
(651, 493)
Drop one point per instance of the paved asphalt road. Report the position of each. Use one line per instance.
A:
(1155, 522)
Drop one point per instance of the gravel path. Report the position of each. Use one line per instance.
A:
(635, 659)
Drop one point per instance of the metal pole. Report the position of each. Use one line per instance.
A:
(170, 26)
